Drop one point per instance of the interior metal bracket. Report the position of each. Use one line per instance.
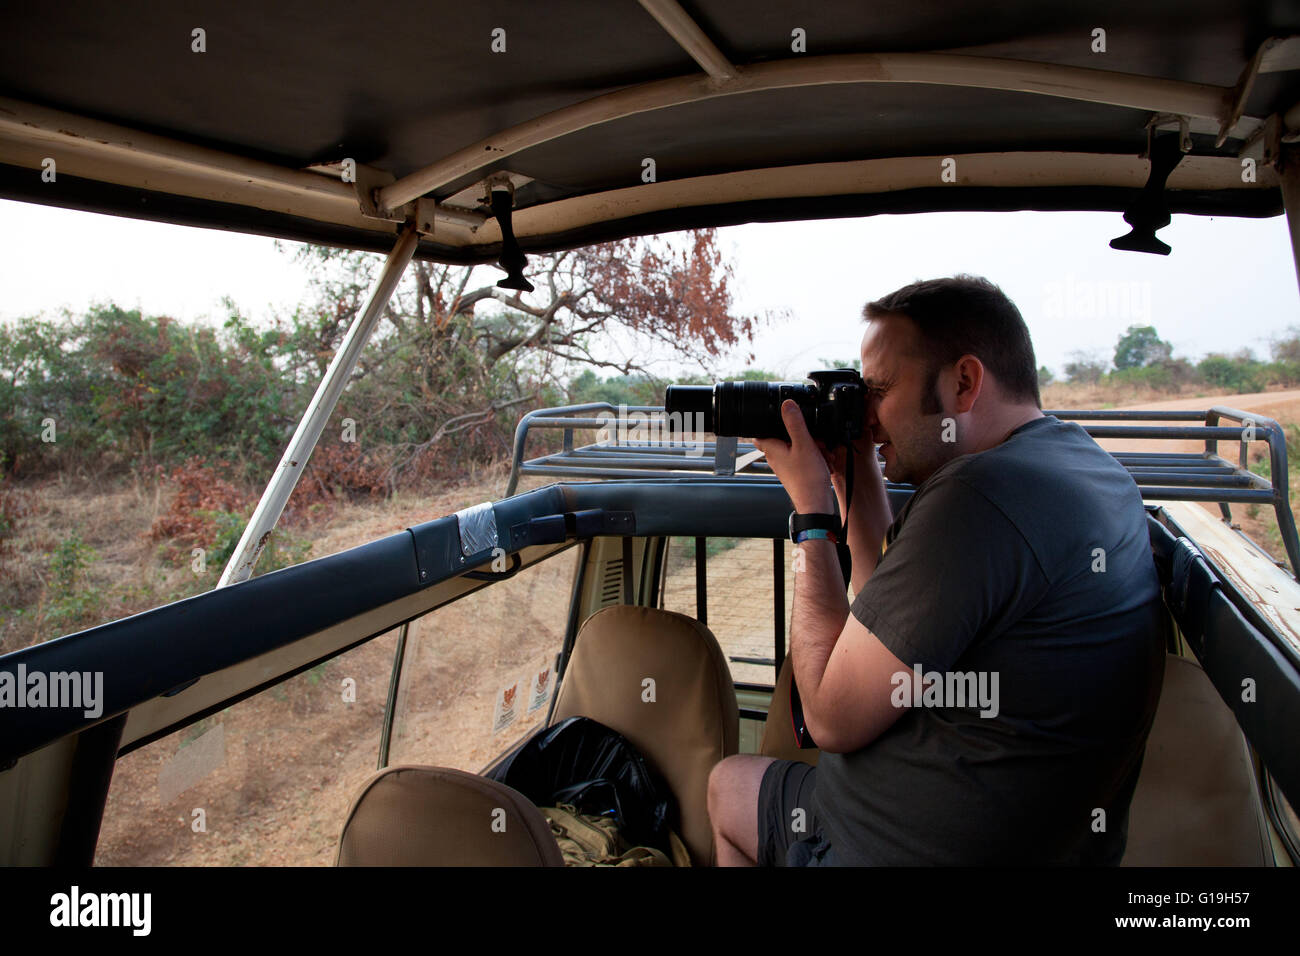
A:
(368, 183)
(512, 258)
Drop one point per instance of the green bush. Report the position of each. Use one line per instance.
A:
(118, 387)
(282, 549)
(617, 389)
(1282, 372)
(73, 597)
(1164, 375)
(1237, 374)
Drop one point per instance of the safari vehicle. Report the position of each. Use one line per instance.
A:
(476, 133)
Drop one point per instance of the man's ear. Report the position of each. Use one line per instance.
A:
(969, 372)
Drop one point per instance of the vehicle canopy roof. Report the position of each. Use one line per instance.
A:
(614, 119)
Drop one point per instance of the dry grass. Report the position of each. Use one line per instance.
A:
(1068, 395)
(80, 557)
(80, 553)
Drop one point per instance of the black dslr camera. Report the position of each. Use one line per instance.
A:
(833, 406)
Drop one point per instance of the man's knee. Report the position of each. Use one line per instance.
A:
(718, 778)
(726, 779)
(734, 784)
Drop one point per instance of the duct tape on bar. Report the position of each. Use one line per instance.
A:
(478, 528)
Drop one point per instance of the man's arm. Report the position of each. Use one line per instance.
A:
(869, 513)
(843, 671)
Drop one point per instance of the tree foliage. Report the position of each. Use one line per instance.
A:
(1085, 367)
(114, 387)
(447, 371)
(456, 360)
(1141, 346)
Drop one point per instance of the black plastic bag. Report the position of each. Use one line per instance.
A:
(581, 762)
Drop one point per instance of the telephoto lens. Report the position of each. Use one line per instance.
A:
(690, 403)
(748, 409)
(832, 406)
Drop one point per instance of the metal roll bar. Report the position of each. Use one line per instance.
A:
(1162, 476)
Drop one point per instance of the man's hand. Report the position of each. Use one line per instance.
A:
(814, 478)
(800, 464)
(866, 469)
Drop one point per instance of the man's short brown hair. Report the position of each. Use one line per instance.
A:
(967, 315)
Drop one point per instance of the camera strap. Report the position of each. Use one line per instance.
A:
(842, 548)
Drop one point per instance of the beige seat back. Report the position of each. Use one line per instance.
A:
(1197, 801)
(658, 678)
(778, 730)
(434, 816)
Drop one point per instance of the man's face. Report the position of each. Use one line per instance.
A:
(904, 409)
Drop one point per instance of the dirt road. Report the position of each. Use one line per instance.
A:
(1282, 407)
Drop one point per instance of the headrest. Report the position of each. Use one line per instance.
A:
(435, 816)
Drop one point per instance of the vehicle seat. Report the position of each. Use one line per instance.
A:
(435, 816)
(693, 721)
(778, 730)
(1197, 801)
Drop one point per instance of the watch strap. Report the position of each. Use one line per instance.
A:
(813, 521)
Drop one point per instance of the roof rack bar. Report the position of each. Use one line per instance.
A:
(1207, 432)
(585, 472)
(1161, 476)
(1200, 480)
(600, 457)
(1243, 496)
(1194, 467)
(1083, 414)
(1187, 459)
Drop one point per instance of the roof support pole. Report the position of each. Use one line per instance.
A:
(318, 412)
(690, 37)
(1289, 173)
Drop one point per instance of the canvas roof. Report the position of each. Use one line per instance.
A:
(250, 133)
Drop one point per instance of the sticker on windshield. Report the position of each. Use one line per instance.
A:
(540, 690)
(506, 708)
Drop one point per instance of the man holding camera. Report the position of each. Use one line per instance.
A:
(1020, 564)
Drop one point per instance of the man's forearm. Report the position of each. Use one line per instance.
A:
(869, 519)
(820, 610)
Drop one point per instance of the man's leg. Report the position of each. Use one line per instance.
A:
(733, 808)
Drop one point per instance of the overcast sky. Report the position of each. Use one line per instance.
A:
(1229, 284)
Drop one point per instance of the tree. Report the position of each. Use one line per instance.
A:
(1085, 367)
(455, 358)
(1141, 346)
(1045, 376)
(1286, 348)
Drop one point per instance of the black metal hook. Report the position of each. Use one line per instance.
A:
(1150, 212)
(512, 258)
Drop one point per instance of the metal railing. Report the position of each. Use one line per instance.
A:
(623, 450)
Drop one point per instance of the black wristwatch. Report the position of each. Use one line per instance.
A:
(821, 526)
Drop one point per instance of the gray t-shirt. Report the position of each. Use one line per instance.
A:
(1029, 564)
